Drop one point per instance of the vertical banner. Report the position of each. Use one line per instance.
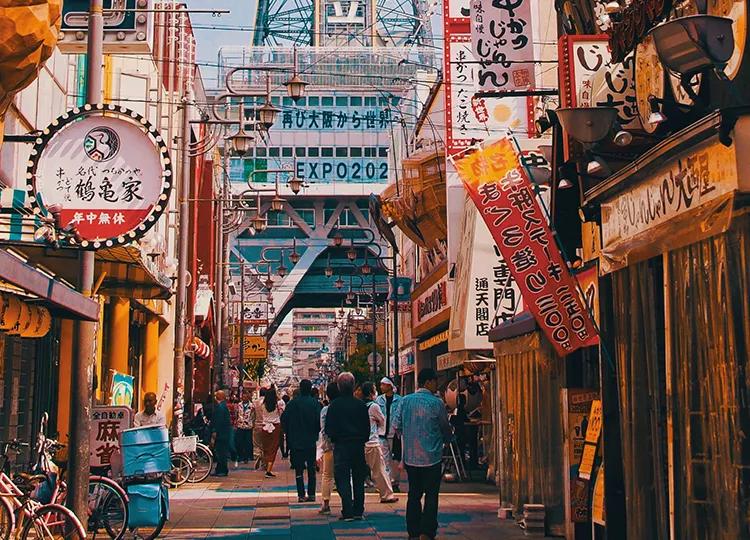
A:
(505, 198)
(122, 391)
(501, 38)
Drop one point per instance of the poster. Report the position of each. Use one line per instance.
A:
(576, 407)
(104, 437)
(122, 392)
(597, 500)
(506, 199)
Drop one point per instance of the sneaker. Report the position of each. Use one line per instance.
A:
(347, 519)
(358, 518)
(269, 474)
(301, 499)
(310, 499)
(389, 501)
(326, 510)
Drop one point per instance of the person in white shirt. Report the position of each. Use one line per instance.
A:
(149, 416)
(373, 453)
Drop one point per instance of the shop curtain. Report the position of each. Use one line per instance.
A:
(709, 327)
(639, 359)
(529, 378)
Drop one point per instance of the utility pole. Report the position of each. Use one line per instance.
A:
(182, 260)
(395, 315)
(81, 386)
(374, 333)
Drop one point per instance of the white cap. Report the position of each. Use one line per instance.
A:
(386, 380)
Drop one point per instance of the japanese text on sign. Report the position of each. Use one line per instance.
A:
(106, 425)
(502, 192)
(501, 37)
(329, 120)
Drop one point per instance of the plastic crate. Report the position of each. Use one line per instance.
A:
(184, 445)
(145, 450)
(147, 503)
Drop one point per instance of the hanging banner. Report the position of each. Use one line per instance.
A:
(106, 170)
(504, 195)
(501, 38)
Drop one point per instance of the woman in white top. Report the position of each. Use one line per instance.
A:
(271, 410)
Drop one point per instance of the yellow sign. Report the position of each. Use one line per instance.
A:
(595, 422)
(256, 347)
(490, 164)
(597, 500)
(587, 461)
(434, 340)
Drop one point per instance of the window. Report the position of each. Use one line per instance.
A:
(275, 100)
(383, 151)
(342, 101)
(369, 151)
(355, 101)
(274, 151)
(383, 101)
(287, 101)
(327, 101)
(287, 152)
(326, 151)
(347, 219)
(342, 151)
(355, 152)
(313, 152)
(300, 151)
(313, 101)
(307, 215)
(301, 102)
(260, 151)
(371, 101)
(277, 219)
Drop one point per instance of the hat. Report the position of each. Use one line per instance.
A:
(386, 380)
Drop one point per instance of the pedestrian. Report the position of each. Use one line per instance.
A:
(272, 409)
(301, 423)
(232, 407)
(284, 446)
(348, 427)
(258, 429)
(245, 425)
(326, 447)
(423, 424)
(315, 394)
(149, 416)
(221, 431)
(390, 403)
(373, 446)
(458, 420)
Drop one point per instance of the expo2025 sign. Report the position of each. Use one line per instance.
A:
(106, 170)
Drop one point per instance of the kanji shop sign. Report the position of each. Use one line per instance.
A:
(431, 303)
(505, 197)
(256, 313)
(501, 39)
(104, 438)
(107, 169)
(470, 118)
(256, 347)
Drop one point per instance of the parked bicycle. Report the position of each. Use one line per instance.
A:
(24, 517)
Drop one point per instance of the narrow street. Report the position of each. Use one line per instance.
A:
(248, 505)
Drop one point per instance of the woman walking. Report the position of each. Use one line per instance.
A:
(271, 430)
(326, 460)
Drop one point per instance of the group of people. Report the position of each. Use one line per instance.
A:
(351, 435)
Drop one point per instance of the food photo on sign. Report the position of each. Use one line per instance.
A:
(104, 171)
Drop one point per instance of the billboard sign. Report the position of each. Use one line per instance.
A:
(108, 171)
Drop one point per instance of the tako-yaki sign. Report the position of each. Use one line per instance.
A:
(105, 171)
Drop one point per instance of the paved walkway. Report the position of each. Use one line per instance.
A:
(246, 505)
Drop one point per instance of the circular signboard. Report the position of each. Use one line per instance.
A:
(106, 169)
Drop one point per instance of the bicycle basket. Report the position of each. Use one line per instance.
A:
(184, 445)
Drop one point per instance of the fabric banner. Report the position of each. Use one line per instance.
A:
(505, 198)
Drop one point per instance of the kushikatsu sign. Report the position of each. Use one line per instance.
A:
(106, 170)
(504, 196)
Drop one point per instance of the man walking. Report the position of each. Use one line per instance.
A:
(221, 433)
(373, 447)
(301, 423)
(348, 426)
(390, 402)
(245, 425)
(423, 424)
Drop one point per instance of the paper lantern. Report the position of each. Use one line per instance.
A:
(24, 318)
(10, 311)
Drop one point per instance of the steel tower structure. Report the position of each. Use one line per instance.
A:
(399, 23)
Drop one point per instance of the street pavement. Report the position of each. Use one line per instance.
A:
(245, 505)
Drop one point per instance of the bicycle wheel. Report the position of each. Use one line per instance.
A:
(149, 533)
(53, 522)
(203, 462)
(182, 468)
(108, 510)
(6, 520)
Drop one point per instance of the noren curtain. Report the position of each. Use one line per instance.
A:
(709, 309)
(638, 331)
(529, 379)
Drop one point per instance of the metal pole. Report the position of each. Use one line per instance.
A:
(374, 334)
(183, 256)
(242, 323)
(81, 387)
(219, 289)
(395, 315)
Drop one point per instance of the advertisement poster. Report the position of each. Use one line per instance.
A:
(104, 437)
(122, 392)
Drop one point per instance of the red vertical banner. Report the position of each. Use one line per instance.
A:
(505, 197)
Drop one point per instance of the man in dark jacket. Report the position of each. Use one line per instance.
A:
(301, 423)
(348, 427)
(221, 432)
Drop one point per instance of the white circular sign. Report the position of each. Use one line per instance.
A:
(107, 172)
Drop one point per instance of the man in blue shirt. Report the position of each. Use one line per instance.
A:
(423, 424)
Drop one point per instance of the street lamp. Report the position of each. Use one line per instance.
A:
(366, 269)
(338, 239)
(282, 270)
(267, 114)
(329, 268)
(295, 184)
(295, 86)
(339, 283)
(258, 223)
(351, 254)
(294, 256)
(277, 204)
(269, 282)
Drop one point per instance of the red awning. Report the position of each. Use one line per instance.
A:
(200, 347)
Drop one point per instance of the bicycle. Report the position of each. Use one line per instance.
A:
(24, 517)
(201, 459)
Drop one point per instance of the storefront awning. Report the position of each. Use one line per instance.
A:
(130, 275)
(200, 347)
(61, 300)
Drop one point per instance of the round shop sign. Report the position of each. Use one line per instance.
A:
(106, 170)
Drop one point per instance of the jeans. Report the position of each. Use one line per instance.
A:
(349, 471)
(423, 481)
(301, 459)
(326, 471)
(221, 454)
(244, 442)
